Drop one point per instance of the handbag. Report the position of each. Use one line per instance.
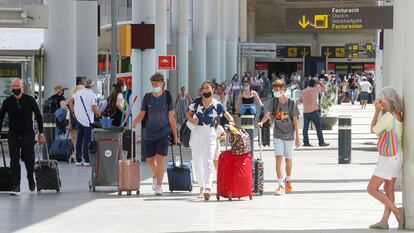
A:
(185, 134)
(239, 140)
(388, 142)
(61, 149)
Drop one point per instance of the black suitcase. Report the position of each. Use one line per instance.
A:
(5, 174)
(258, 170)
(47, 174)
(61, 149)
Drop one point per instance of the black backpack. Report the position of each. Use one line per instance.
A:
(50, 105)
(110, 110)
(146, 99)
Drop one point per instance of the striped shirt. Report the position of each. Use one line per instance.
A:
(309, 98)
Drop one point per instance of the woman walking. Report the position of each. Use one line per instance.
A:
(201, 121)
(387, 123)
(182, 102)
(115, 108)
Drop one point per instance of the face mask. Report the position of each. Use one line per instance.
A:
(207, 95)
(16, 92)
(277, 94)
(247, 87)
(156, 90)
(124, 88)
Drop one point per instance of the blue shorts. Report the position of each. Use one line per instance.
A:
(157, 147)
(364, 95)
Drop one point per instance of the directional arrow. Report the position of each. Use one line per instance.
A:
(304, 23)
(304, 52)
(328, 52)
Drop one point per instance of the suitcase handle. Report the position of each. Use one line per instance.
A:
(2, 151)
(173, 158)
(260, 142)
(47, 154)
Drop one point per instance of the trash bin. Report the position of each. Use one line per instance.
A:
(49, 127)
(247, 123)
(344, 139)
(104, 159)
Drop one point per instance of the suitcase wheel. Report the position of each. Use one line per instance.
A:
(261, 193)
(129, 193)
(93, 188)
(38, 190)
(171, 190)
(250, 197)
(218, 198)
(119, 193)
(58, 190)
(138, 192)
(239, 198)
(230, 199)
(190, 189)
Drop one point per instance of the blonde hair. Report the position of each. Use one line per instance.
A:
(393, 98)
(278, 83)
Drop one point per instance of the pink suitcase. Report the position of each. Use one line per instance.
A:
(129, 173)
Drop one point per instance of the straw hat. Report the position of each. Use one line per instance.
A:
(58, 88)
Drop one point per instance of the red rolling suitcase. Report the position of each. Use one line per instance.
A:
(234, 176)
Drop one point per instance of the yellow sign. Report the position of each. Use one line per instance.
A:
(355, 47)
(355, 55)
(340, 52)
(328, 52)
(292, 52)
(303, 23)
(369, 47)
(321, 21)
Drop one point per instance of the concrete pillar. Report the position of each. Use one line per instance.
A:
(172, 48)
(161, 30)
(243, 28)
(60, 45)
(213, 40)
(405, 8)
(378, 64)
(397, 61)
(197, 62)
(223, 38)
(251, 31)
(87, 39)
(182, 63)
(232, 37)
(143, 62)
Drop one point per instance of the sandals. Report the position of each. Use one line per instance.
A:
(401, 224)
(382, 226)
(207, 195)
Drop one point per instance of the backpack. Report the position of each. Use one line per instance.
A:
(146, 100)
(109, 111)
(50, 105)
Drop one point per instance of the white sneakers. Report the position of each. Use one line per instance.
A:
(158, 190)
(154, 183)
(280, 191)
(85, 164)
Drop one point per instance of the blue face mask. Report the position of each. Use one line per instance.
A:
(155, 90)
(277, 94)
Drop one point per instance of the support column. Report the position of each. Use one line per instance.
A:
(173, 47)
(183, 45)
(398, 48)
(87, 39)
(251, 32)
(161, 30)
(143, 62)
(114, 41)
(232, 37)
(197, 62)
(243, 29)
(387, 53)
(223, 39)
(213, 40)
(405, 8)
(60, 45)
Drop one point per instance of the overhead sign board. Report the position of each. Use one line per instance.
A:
(339, 19)
(10, 70)
(24, 16)
(293, 51)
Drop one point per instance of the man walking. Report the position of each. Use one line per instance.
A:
(84, 105)
(21, 137)
(310, 111)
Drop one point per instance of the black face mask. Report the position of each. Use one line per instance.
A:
(207, 95)
(16, 92)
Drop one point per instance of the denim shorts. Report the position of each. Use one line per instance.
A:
(283, 147)
(364, 95)
(157, 147)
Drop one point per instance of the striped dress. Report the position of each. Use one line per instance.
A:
(181, 109)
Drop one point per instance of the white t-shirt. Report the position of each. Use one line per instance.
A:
(89, 99)
(365, 86)
(121, 96)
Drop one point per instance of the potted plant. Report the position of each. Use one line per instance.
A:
(325, 105)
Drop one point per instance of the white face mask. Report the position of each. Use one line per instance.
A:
(277, 94)
(124, 88)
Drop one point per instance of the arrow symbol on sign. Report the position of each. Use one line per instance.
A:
(304, 23)
(328, 52)
(305, 52)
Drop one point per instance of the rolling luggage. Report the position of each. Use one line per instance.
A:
(5, 174)
(47, 174)
(129, 170)
(234, 176)
(179, 173)
(258, 169)
(61, 149)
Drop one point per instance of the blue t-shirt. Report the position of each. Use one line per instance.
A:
(157, 125)
(206, 116)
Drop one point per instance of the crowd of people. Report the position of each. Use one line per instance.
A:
(205, 115)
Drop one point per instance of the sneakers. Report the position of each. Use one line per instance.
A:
(78, 164)
(280, 191)
(15, 191)
(154, 183)
(158, 190)
(307, 145)
(288, 186)
(85, 164)
(323, 144)
(32, 184)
